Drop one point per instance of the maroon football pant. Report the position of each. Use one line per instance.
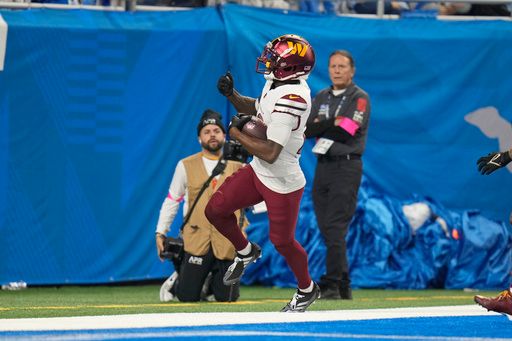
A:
(244, 189)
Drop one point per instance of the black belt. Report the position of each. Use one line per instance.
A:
(329, 158)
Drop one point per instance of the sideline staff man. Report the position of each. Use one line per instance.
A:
(339, 120)
(206, 250)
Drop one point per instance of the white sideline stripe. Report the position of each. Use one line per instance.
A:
(208, 319)
(3, 41)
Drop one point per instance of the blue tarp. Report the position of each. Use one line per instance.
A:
(96, 108)
(384, 253)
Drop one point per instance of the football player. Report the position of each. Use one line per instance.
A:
(274, 175)
(503, 302)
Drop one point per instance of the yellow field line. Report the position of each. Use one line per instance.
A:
(142, 305)
(180, 304)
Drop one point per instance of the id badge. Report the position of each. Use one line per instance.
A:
(323, 110)
(322, 146)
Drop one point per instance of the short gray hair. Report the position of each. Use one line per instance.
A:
(344, 53)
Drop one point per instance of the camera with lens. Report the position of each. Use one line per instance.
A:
(174, 251)
(234, 151)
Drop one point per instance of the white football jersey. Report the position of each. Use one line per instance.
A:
(285, 110)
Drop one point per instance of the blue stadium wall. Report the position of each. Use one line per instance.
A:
(96, 108)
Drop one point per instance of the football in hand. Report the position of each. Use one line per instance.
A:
(255, 128)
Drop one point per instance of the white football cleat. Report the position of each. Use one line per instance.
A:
(165, 289)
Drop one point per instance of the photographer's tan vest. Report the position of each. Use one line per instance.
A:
(198, 233)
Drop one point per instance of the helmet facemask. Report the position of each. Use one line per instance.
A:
(267, 62)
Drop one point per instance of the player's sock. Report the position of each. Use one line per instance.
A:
(246, 250)
(308, 289)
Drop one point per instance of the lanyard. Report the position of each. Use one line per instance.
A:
(338, 108)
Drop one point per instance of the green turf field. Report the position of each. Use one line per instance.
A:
(109, 300)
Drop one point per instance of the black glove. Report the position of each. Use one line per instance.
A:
(225, 84)
(239, 121)
(488, 164)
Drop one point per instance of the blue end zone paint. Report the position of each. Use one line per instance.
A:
(431, 328)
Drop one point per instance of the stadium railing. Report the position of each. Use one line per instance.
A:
(133, 5)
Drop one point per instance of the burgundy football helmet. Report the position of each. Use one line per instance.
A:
(286, 57)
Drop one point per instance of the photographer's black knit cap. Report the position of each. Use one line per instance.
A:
(210, 117)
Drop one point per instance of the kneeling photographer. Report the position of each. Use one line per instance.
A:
(203, 255)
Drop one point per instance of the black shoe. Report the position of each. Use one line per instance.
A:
(336, 290)
(240, 263)
(302, 300)
(345, 290)
(330, 293)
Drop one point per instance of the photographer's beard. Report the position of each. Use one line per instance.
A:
(213, 146)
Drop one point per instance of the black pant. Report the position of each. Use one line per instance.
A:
(193, 272)
(335, 190)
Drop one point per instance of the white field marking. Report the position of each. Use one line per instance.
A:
(208, 319)
(3, 41)
(87, 335)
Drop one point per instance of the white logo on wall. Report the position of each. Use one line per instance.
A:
(492, 125)
(3, 41)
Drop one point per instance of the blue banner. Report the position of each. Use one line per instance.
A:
(96, 109)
